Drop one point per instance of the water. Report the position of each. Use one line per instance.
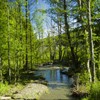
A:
(55, 78)
(59, 84)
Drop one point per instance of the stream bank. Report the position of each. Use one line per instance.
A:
(59, 84)
(31, 91)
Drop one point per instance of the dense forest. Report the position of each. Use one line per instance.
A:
(65, 32)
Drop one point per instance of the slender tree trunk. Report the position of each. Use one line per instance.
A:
(21, 55)
(49, 44)
(87, 44)
(30, 33)
(31, 49)
(15, 69)
(30, 44)
(9, 68)
(80, 7)
(59, 36)
(91, 41)
(88, 61)
(1, 77)
(15, 51)
(68, 34)
(53, 48)
(26, 61)
(89, 71)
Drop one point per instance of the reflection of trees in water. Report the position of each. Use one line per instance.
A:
(54, 75)
(61, 77)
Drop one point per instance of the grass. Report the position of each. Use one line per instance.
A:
(94, 92)
(4, 88)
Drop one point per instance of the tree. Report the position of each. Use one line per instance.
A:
(8, 38)
(91, 41)
(26, 15)
(68, 34)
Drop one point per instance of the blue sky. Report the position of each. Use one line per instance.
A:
(41, 4)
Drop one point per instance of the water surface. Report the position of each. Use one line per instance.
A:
(58, 83)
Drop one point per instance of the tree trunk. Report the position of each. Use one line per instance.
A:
(9, 69)
(30, 49)
(88, 61)
(49, 44)
(89, 71)
(68, 34)
(86, 40)
(59, 37)
(1, 78)
(21, 55)
(91, 41)
(30, 29)
(26, 61)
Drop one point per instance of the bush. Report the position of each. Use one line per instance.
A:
(83, 77)
(4, 88)
(95, 91)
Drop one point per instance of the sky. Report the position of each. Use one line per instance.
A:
(41, 4)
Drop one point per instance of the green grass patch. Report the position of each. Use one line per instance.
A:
(4, 88)
(95, 91)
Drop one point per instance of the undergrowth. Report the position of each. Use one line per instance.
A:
(94, 92)
(4, 88)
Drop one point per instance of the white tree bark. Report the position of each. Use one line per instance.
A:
(91, 42)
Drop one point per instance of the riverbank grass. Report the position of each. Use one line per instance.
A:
(9, 90)
(4, 88)
(94, 92)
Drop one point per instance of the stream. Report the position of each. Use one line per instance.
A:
(58, 84)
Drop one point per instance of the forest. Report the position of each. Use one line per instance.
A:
(62, 33)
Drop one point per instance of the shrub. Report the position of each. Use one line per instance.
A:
(95, 91)
(84, 77)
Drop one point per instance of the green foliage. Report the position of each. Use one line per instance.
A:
(41, 50)
(84, 77)
(85, 99)
(95, 91)
(4, 88)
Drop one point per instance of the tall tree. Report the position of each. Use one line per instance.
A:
(26, 12)
(91, 41)
(8, 38)
(68, 33)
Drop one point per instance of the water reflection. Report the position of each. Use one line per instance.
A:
(55, 78)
